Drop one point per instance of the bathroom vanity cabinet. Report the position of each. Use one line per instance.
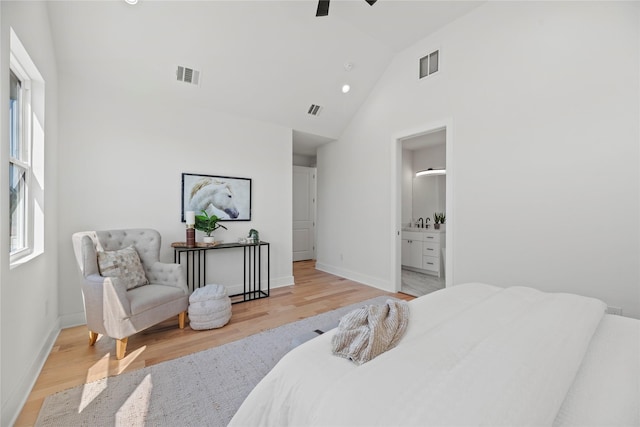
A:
(412, 249)
(423, 250)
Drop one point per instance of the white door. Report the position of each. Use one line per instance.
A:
(304, 212)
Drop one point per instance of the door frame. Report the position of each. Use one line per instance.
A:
(396, 197)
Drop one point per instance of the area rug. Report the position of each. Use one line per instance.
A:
(201, 389)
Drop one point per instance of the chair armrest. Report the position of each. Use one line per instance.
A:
(115, 303)
(161, 273)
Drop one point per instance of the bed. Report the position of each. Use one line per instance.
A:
(472, 354)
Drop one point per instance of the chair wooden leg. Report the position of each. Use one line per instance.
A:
(93, 337)
(182, 319)
(121, 348)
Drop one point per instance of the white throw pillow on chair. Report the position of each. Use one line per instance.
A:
(125, 264)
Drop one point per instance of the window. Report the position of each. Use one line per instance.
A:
(429, 64)
(19, 161)
(26, 156)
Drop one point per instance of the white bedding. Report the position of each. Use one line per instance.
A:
(606, 391)
(472, 354)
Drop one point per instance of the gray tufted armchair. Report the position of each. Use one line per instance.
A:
(110, 308)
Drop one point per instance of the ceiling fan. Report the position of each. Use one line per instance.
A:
(323, 6)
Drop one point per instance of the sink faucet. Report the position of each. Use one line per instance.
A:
(421, 222)
(426, 225)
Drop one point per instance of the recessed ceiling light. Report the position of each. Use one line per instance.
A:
(346, 88)
(131, 1)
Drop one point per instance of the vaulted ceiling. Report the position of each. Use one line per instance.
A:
(265, 60)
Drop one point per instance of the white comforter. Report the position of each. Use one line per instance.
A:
(473, 354)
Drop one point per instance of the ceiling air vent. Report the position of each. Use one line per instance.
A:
(314, 110)
(188, 75)
(429, 64)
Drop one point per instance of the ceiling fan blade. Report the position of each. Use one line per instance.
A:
(323, 8)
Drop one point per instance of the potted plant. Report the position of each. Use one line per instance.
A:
(207, 224)
(438, 219)
(254, 237)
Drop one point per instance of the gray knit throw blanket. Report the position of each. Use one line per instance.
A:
(369, 331)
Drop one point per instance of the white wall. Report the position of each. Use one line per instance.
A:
(121, 159)
(543, 101)
(303, 160)
(430, 157)
(28, 292)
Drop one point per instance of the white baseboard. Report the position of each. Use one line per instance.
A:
(374, 282)
(71, 320)
(12, 407)
(282, 281)
(275, 283)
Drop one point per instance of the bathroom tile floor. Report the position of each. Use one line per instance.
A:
(418, 284)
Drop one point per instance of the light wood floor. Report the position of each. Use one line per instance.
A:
(73, 362)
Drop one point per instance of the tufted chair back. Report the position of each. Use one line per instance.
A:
(146, 241)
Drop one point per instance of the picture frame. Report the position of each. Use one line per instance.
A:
(227, 197)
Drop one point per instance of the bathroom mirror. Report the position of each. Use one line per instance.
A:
(429, 196)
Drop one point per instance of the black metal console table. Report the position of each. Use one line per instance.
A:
(196, 266)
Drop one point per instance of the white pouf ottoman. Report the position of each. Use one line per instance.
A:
(209, 307)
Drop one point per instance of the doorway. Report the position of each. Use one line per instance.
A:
(425, 268)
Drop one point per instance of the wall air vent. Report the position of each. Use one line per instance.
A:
(429, 64)
(188, 75)
(314, 110)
